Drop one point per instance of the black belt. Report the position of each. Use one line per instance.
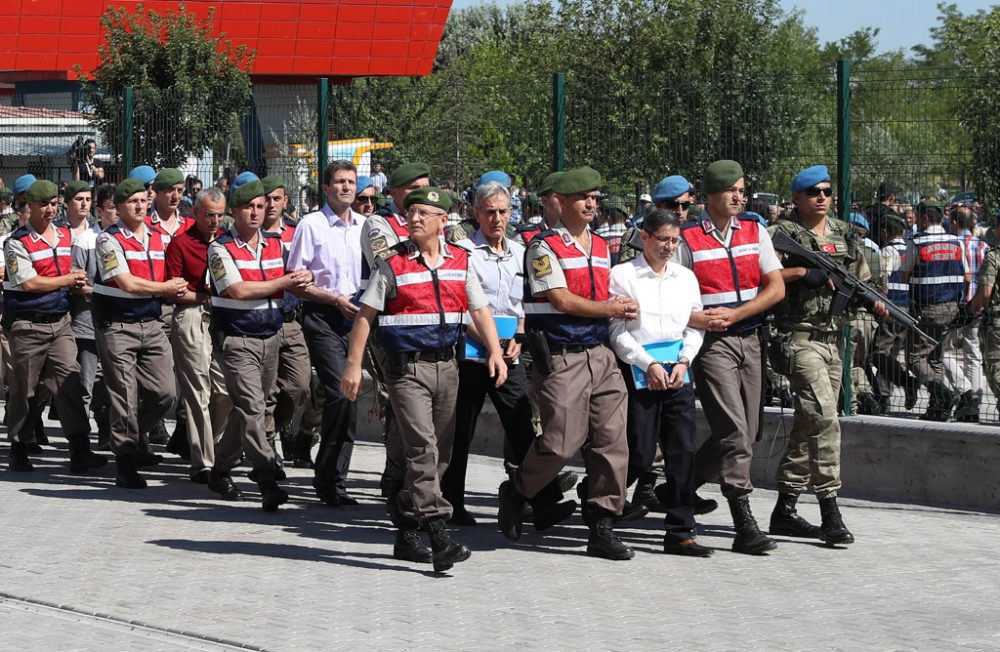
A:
(560, 349)
(38, 317)
(292, 315)
(252, 337)
(132, 320)
(438, 355)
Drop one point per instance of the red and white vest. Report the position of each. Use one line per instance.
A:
(428, 309)
(47, 261)
(144, 261)
(255, 317)
(586, 277)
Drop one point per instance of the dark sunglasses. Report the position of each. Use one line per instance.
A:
(814, 192)
(684, 205)
(365, 200)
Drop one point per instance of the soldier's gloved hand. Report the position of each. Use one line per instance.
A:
(815, 278)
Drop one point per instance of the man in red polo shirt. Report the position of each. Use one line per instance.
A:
(201, 389)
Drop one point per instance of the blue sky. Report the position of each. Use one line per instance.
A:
(903, 23)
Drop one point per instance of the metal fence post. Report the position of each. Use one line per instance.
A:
(558, 120)
(844, 139)
(322, 124)
(848, 362)
(128, 143)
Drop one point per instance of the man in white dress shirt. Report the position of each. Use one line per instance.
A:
(659, 347)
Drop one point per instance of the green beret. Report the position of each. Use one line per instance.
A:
(430, 196)
(404, 174)
(894, 219)
(74, 187)
(127, 188)
(6, 194)
(615, 203)
(167, 178)
(246, 193)
(721, 176)
(456, 198)
(42, 191)
(577, 180)
(272, 183)
(546, 186)
(929, 203)
(533, 199)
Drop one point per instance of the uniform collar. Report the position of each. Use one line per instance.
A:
(709, 226)
(240, 242)
(36, 236)
(568, 239)
(412, 253)
(129, 233)
(154, 217)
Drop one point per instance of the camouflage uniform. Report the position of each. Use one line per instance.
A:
(863, 334)
(808, 349)
(989, 330)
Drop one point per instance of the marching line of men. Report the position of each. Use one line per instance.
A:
(612, 351)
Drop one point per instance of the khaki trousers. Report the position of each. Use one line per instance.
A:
(250, 367)
(139, 375)
(423, 401)
(46, 354)
(583, 401)
(812, 456)
(926, 361)
(201, 388)
(862, 337)
(727, 375)
(294, 375)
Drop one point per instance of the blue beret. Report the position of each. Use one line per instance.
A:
(859, 219)
(754, 216)
(810, 177)
(22, 183)
(364, 183)
(671, 187)
(244, 177)
(498, 176)
(143, 173)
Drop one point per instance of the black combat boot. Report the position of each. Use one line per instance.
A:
(749, 539)
(546, 516)
(510, 512)
(630, 511)
(833, 530)
(222, 484)
(302, 445)
(446, 553)
(19, 461)
(81, 458)
(178, 443)
(159, 434)
(867, 404)
(145, 457)
(644, 493)
(128, 473)
(603, 543)
(566, 481)
(940, 402)
(967, 409)
(409, 548)
(271, 495)
(910, 387)
(103, 418)
(41, 437)
(786, 522)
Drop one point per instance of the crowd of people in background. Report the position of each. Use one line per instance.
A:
(592, 322)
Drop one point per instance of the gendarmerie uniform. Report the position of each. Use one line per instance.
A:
(42, 347)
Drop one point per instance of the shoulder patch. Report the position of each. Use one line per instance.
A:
(380, 246)
(109, 261)
(217, 266)
(11, 263)
(541, 266)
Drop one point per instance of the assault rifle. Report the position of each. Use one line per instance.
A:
(846, 285)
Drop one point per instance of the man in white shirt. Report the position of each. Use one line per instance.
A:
(660, 345)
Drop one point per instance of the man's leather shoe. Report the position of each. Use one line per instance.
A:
(86, 461)
(704, 505)
(633, 511)
(147, 458)
(159, 434)
(224, 486)
(34, 448)
(462, 516)
(687, 548)
(272, 496)
(551, 515)
(347, 499)
(19, 461)
(201, 477)
(128, 473)
(445, 552)
(335, 497)
(179, 446)
(566, 481)
(510, 511)
(409, 548)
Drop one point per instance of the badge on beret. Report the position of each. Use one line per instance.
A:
(12, 263)
(541, 266)
(433, 196)
(217, 266)
(380, 247)
(109, 261)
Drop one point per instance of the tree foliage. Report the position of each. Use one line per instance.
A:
(190, 87)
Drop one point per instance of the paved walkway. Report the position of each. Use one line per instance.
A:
(92, 567)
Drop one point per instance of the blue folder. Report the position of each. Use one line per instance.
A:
(506, 327)
(661, 352)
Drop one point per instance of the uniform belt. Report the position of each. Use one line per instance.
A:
(131, 320)
(38, 317)
(250, 336)
(561, 349)
(815, 336)
(439, 355)
(292, 315)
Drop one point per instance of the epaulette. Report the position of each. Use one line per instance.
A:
(271, 234)
(20, 232)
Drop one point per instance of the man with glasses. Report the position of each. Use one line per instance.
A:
(365, 199)
(808, 349)
(328, 243)
(739, 277)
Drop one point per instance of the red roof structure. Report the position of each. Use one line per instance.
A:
(305, 39)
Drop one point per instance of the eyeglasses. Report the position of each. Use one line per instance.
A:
(665, 239)
(683, 205)
(814, 192)
(365, 200)
(424, 214)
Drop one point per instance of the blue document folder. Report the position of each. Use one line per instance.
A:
(661, 352)
(506, 327)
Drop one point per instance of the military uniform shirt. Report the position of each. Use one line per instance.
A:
(543, 269)
(18, 262)
(383, 285)
(987, 278)
(221, 265)
(111, 257)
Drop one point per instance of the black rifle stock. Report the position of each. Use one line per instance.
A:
(847, 286)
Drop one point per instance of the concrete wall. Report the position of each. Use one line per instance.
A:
(882, 458)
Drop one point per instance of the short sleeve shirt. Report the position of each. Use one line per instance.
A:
(111, 259)
(221, 265)
(383, 284)
(988, 271)
(18, 267)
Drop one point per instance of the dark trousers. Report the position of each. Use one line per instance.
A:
(514, 409)
(326, 335)
(667, 417)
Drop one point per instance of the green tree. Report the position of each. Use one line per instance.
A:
(190, 87)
